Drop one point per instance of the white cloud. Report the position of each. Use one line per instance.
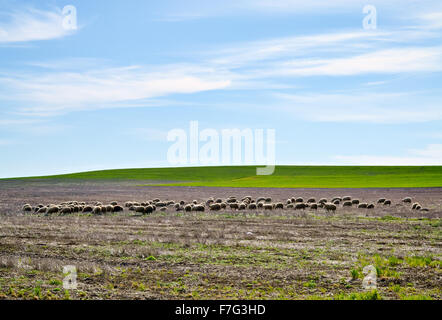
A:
(431, 155)
(149, 134)
(403, 60)
(431, 20)
(57, 92)
(31, 24)
(363, 107)
(5, 142)
(16, 122)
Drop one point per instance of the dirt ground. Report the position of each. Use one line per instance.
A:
(279, 254)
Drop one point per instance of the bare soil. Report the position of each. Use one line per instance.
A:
(279, 254)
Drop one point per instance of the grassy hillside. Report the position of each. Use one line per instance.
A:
(284, 176)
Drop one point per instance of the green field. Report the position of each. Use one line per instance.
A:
(283, 177)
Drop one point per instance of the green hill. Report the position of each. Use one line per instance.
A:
(283, 177)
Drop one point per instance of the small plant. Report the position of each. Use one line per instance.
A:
(150, 258)
(370, 295)
(55, 282)
(37, 292)
(138, 286)
(310, 284)
(354, 274)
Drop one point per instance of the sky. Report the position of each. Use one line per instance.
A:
(104, 92)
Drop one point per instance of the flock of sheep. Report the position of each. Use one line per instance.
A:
(212, 204)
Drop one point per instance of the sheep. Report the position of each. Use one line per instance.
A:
(223, 205)
(163, 209)
(139, 209)
(132, 208)
(27, 208)
(231, 200)
(290, 206)
(188, 208)
(355, 201)
(323, 200)
(381, 200)
(363, 206)
(42, 210)
(242, 206)
(347, 204)
(118, 208)
(336, 199)
(156, 200)
(260, 205)
(370, 206)
(336, 202)
(406, 200)
(114, 203)
(279, 205)
(65, 210)
(215, 207)
(128, 204)
(311, 200)
(425, 210)
(288, 201)
(234, 206)
(199, 208)
(182, 202)
(160, 204)
(103, 209)
(260, 199)
(268, 206)
(110, 208)
(209, 202)
(387, 203)
(329, 207)
(252, 206)
(414, 205)
(346, 198)
(148, 209)
(299, 200)
(314, 206)
(52, 209)
(418, 207)
(299, 206)
(268, 200)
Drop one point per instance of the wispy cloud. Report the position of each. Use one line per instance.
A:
(57, 92)
(5, 142)
(28, 24)
(431, 155)
(363, 107)
(148, 134)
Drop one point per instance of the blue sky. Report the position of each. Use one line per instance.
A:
(106, 94)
